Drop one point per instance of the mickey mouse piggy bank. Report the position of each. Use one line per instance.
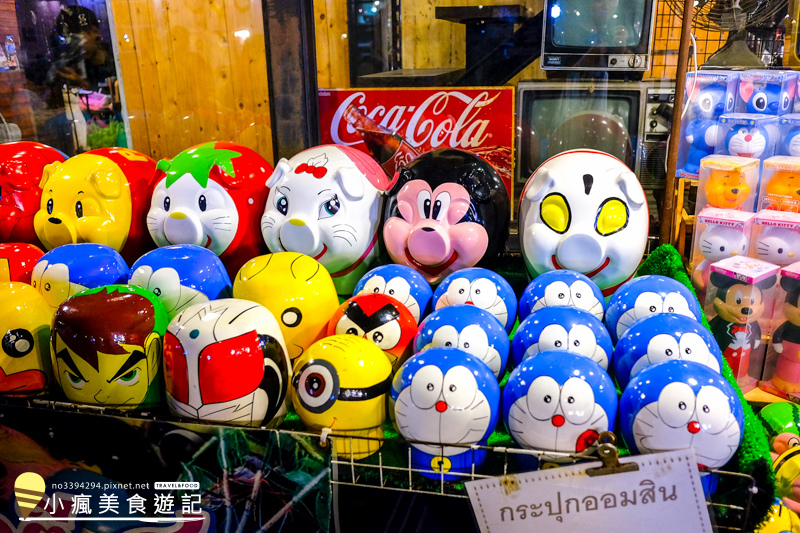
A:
(584, 210)
(483, 289)
(17, 261)
(786, 339)
(402, 283)
(562, 288)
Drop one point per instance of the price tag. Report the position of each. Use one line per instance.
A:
(664, 495)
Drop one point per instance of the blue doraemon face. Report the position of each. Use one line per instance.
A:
(747, 141)
(664, 337)
(675, 405)
(181, 275)
(645, 296)
(562, 329)
(791, 143)
(482, 288)
(559, 402)
(562, 288)
(72, 268)
(402, 283)
(469, 328)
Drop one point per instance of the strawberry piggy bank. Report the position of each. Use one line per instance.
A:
(211, 195)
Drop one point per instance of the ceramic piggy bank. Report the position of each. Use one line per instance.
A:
(482, 288)
(99, 196)
(17, 261)
(450, 211)
(326, 202)
(402, 283)
(562, 288)
(586, 211)
(21, 167)
(211, 195)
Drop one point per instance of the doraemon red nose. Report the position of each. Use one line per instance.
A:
(441, 406)
(558, 421)
(430, 245)
(693, 427)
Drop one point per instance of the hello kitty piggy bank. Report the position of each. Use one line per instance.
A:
(326, 202)
(776, 237)
(584, 210)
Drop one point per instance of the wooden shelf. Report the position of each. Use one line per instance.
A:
(759, 396)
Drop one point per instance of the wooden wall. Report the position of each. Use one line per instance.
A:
(333, 55)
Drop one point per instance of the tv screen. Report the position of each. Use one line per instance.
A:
(597, 23)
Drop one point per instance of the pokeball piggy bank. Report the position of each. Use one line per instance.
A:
(17, 261)
(340, 385)
(181, 275)
(326, 202)
(563, 329)
(225, 361)
(482, 288)
(99, 196)
(402, 283)
(562, 288)
(451, 212)
(468, 328)
(559, 402)
(645, 296)
(106, 345)
(675, 405)
(446, 400)
(380, 319)
(584, 210)
(211, 195)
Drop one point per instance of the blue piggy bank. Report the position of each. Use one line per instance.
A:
(402, 283)
(562, 288)
(482, 288)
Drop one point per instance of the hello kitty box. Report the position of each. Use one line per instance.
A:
(780, 183)
(747, 135)
(775, 237)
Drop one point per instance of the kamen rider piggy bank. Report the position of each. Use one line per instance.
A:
(564, 329)
(106, 345)
(559, 402)
(17, 261)
(99, 196)
(72, 268)
(21, 167)
(450, 210)
(339, 386)
(586, 211)
(211, 195)
(25, 367)
(645, 296)
(296, 289)
(181, 275)
(482, 288)
(225, 361)
(468, 328)
(562, 288)
(326, 202)
(675, 405)
(402, 283)
(445, 401)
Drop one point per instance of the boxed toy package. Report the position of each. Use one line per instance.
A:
(776, 237)
(727, 182)
(782, 366)
(788, 135)
(780, 184)
(766, 92)
(747, 135)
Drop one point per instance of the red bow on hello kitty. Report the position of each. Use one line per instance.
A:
(317, 172)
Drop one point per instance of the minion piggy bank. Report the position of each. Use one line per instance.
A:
(17, 261)
(402, 283)
(340, 385)
(562, 288)
(481, 288)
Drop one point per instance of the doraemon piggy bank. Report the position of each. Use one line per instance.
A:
(106, 345)
(402, 283)
(562, 288)
(450, 399)
(450, 211)
(211, 195)
(21, 167)
(645, 296)
(225, 361)
(675, 405)
(72, 268)
(340, 385)
(181, 275)
(468, 328)
(327, 202)
(17, 261)
(482, 288)
(559, 402)
(748, 140)
(99, 196)
(664, 337)
(25, 367)
(380, 319)
(296, 289)
(566, 329)
(586, 211)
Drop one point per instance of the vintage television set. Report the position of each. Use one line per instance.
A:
(791, 45)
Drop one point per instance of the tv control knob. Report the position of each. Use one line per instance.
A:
(653, 124)
(613, 61)
(632, 61)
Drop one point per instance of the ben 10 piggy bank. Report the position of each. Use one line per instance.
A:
(585, 211)
(339, 386)
(99, 196)
(562, 288)
(402, 283)
(326, 202)
(225, 361)
(481, 288)
(17, 261)
(449, 210)
(106, 345)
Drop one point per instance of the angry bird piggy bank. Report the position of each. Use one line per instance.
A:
(339, 386)
(726, 188)
(450, 211)
(326, 202)
(584, 210)
(402, 283)
(225, 361)
(783, 188)
(17, 261)
(482, 288)
(211, 195)
(562, 288)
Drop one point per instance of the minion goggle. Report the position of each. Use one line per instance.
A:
(612, 215)
(317, 387)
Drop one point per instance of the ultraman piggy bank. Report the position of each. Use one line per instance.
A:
(326, 202)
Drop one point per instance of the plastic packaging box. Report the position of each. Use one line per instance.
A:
(775, 237)
(728, 182)
(788, 135)
(782, 367)
(780, 184)
(766, 92)
(748, 135)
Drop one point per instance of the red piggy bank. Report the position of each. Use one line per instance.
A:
(17, 260)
